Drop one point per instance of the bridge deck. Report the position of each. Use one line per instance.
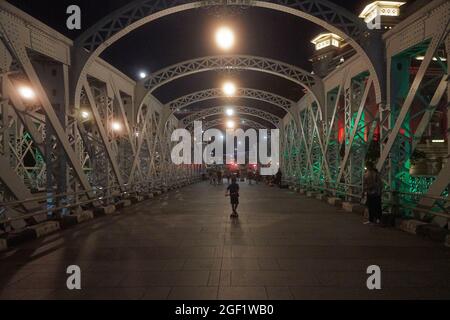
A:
(183, 245)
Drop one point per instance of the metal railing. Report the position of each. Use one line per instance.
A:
(396, 195)
(98, 194)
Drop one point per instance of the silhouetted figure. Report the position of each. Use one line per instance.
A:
(278, 177)
(219, 177)
(233, 192)
(372, 189)
(257, 177)
(250, 177)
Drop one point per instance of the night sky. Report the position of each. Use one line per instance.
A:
(189, 35)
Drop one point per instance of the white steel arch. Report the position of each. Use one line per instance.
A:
(130, 17)
(216, 122)
(231, 62)
(214, 93)
(237, 110)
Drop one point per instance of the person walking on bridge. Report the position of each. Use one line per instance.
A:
(233, 192)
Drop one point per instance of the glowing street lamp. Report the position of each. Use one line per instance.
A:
(26, 92)
(230, 124)
(142, 75)
(116, 126)
(225, 38)
(229, 112)
(229, 89)
(85, 114)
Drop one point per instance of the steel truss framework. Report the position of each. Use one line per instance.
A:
(236, 109)
(232, 62)
(255, 94)
(353, 130)
(128, 18)
(47, 146)
(125, 19)
(221, 122)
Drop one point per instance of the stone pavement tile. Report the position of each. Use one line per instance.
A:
(214, 278)
(240, 264)
(137, 265)
(343, 279)
(332, 293)
(220, 278)
(10, 277)
(279, 293)
(421, 279)
(194, 252)
(412, 293)
(268, 264)
(193, 293)
(156, 293)
(174, 264)
(429, 265)
(41, 280)
(311, 265)
(225, 278)
(165, 278)
(281, 239)
(99, 294)
(202, 264)
(242, 293)
(271, 278)
(240, 251)
(101, 279)
(223, 251)
(199, 242)
(25, 294)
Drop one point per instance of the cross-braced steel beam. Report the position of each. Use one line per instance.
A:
(215, 93)
(221, 122)
(237, 109)
(232, 62)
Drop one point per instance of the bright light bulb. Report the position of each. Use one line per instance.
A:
(85, 114)
(229, 89)
(142, 74)
(224, 38)
(230, 124)
(27, 93)
(229, 112)
(116, 126)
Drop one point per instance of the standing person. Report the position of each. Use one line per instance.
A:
(233, 192)
(214, 177)
(372, 189)
(219, 177)
(210, 173)
(278, 177)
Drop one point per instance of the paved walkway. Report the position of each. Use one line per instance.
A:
(183, 245)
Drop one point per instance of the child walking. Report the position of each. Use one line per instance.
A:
(233, 192)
